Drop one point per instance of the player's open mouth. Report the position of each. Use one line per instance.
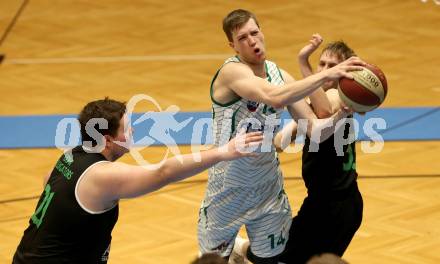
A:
(257, 50)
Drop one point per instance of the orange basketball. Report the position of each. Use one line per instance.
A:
(366, 91)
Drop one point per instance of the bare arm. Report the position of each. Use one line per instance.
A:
(318, 99)
(108, 182)
(285, 136)
(335, 101)
(240, 79)
(289, 131)
(305, 52)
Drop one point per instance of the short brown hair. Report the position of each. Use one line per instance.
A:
(109, 109)
(236, 19)
(340, 49)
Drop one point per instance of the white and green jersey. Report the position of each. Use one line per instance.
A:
(241, 113)
(247, 191)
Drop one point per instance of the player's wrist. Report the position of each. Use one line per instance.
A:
(303, 57)
(324, 76)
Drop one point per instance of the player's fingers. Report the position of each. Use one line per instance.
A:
(255, 138)
(255, 133)
(353, 68)
(347, 75)
(317, 36)
(355, 61)
(252, 145)
(241, 132)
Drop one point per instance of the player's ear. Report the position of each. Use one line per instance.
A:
(231, 44)
(108, 140)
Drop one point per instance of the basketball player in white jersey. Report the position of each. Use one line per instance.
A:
(250, 92)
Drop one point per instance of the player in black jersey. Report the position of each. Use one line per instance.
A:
(332, 211)
(78, 208)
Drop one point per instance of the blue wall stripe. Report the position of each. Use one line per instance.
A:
(38, 131)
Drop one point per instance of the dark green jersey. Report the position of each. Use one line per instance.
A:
(61, 230)
(325, 171)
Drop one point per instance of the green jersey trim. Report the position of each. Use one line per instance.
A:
(269, 79)
(233, 121)
(212, 92)
(281, 75)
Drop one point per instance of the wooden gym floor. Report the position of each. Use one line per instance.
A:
(63, 54)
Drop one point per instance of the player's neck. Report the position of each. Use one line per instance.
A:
(109, 155)
(259, 69)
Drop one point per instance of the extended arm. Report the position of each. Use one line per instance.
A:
(301, 110)
(108, 182)
(239, 79)
(289, 131)
(318, 99)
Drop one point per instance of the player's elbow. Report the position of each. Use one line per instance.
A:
(274, 96)
(163, 176)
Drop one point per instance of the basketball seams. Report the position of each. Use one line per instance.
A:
(367, 78)
(379, 74)
(357, 93)
(355, 105)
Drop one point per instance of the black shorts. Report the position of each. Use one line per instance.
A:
(325, 223)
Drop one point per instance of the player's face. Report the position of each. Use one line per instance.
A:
(327, 61)
(248, 42)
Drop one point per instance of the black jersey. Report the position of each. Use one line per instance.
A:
(324, 171)
(60, 230)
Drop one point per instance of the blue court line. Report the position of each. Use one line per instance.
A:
(39, 131)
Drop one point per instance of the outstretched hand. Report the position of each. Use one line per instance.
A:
(243, 145)
(345, 68)
(307, 50)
